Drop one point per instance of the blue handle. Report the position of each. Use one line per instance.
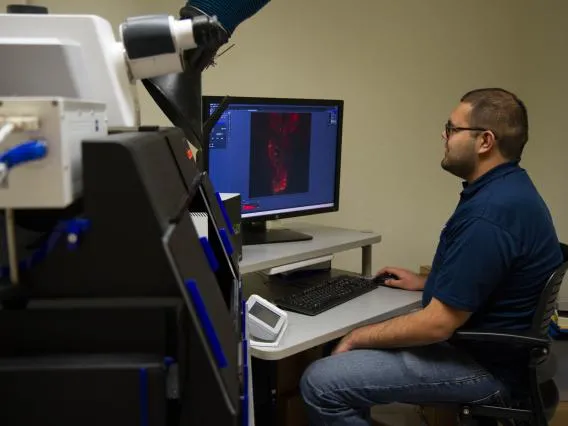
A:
(27, 151)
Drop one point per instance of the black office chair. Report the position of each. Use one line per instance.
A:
(543, 398)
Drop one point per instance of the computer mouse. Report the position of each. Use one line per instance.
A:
(381, 278)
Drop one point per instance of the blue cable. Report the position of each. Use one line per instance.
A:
(23, 153)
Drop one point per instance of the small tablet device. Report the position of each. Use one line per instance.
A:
(266, 322)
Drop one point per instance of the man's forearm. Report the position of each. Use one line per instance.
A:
(414, 329)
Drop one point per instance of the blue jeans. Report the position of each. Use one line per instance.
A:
(341, 389)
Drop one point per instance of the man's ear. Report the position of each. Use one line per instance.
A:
(487, 142)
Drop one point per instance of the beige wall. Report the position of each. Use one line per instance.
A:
(400, 66)
(545, 82)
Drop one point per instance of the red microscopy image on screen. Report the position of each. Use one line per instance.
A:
(280, 153)
(278, 144)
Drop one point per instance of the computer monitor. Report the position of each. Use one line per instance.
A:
(282, 155)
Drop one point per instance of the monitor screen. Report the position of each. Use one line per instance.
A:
(264, 314)
(281, 155)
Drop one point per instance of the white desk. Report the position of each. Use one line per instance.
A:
(327, 240)
(305, 332)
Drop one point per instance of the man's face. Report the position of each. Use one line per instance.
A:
(460, 156)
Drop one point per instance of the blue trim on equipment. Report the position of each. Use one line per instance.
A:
(169, 361)
(144, 406)
(213, 262)
(206, 323)
(244, 312)
(226, 241)
(245, 407)
(76, 227)
(61, 229)
(245, 411)
(225, 214)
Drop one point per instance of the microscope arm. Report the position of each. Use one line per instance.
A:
(178, 94)
(157, 45)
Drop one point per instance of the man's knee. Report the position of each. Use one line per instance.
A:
(316, 379)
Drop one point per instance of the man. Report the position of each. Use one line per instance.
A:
(494, 255)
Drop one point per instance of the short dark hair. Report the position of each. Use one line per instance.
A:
(503, 113)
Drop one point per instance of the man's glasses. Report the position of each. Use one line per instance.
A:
(449, 129)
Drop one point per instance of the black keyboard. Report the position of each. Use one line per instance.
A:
(326, 294)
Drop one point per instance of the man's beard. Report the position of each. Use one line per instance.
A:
(462, 167)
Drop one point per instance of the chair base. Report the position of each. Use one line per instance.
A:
(482, 415)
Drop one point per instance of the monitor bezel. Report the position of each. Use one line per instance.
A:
(339, 103)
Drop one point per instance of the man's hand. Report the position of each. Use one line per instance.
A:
(344, 345)
(407, 280)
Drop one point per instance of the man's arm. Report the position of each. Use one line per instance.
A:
(476, 260)
(435, 323)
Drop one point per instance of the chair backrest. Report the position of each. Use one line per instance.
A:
(564, 248)
(547, 301)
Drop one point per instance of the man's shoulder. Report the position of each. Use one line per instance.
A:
(513, 198)
(515, 209)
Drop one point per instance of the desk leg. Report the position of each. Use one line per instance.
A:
(367, 260)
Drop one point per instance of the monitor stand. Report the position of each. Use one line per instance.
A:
(257, 233)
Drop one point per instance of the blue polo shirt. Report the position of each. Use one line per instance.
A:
(496, 251)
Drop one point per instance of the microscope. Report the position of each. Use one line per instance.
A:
(120, 291)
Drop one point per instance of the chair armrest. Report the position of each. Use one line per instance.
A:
(501, 337)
